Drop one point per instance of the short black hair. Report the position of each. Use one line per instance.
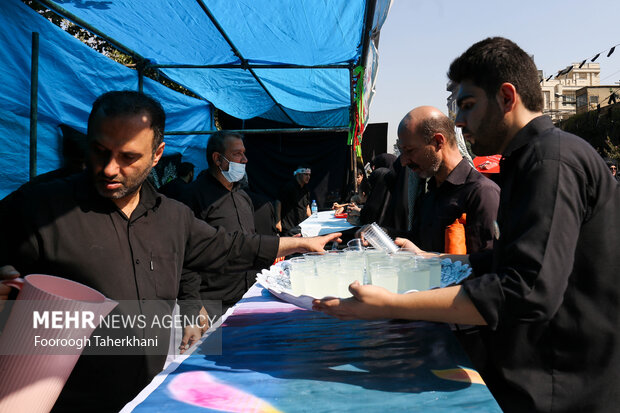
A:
(127, 102)
(216, 143)
(497, 60)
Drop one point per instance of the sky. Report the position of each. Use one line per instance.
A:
(420, 39)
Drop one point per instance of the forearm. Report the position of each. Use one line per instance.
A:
(291, 245)
(447, 305)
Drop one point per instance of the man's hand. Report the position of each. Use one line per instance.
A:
(279, 226)
(191, 334)
(291, 245)
(405, 243)
(7, 272)
(204, 321)
(369, 302)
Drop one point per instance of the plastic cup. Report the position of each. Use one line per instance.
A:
(356, 244)
(378, 238)
(415, 276)
(434, 262)
(300, 267)
(385, 275)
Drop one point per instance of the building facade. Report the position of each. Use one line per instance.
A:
(560, 92)
(594, 97)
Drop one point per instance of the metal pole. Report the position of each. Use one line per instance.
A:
(244, 62)
(140, 68)
(249, 65)
(34, 103)
(252, 131)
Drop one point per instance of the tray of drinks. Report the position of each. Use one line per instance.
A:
(316, 275)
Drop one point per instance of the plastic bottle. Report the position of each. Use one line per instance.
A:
(314, 208)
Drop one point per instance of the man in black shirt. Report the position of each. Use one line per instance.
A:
(293, 204)
(549, 290)
(216, 198)
(428, 147)
(176, 187)
(111, 230)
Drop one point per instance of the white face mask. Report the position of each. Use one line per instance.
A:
(235, 171)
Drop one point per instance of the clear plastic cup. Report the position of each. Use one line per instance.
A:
(414, 277)
(385, 275)
(378, 238)
(300, 267)
(434, 262)
(356, 244)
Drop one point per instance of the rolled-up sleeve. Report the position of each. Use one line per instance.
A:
(540, 218)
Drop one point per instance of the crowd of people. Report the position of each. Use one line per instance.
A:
(541, 238)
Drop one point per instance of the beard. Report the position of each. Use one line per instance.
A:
(129, 185)
(491, 133)
(433, 162)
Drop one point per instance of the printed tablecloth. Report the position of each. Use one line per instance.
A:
(278, 357)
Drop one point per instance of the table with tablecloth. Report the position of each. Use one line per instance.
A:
(324, 222)
(269, 355)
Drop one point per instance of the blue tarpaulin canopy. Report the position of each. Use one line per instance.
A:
(291, 61)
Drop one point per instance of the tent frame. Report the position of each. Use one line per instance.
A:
(143, 64)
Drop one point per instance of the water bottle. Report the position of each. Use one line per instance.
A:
(314, 208)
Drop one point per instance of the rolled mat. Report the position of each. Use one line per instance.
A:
(32, 376)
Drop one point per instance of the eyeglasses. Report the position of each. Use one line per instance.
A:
(613, 168)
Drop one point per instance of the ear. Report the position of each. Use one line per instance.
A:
(507, 97)
(215, 159)
(158, 153)
(439, 140)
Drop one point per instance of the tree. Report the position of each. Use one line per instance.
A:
(104, 47)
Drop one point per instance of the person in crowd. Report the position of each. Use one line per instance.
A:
(264, 209)
(175, 188)
(109, 229)
(293, 204)
(548, 291)
(613, 167)
(216, 197)
(356, 193)
(428, 147)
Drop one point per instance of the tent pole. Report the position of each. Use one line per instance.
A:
(252, 131)
(140, 68)
(34, 103)
(250, 65)
(244, 62)
(352, 128)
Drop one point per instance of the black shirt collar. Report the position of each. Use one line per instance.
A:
(458, 176)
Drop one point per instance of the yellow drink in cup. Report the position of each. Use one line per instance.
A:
(385, 275)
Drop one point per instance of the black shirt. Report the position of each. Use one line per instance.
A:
(231, 210)
(295, 201)
(174, 189)
(65, 228)
(465, 191)
(552, 302)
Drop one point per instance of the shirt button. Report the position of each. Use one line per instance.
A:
(137, 261)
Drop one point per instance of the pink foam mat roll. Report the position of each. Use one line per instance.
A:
(32, 376)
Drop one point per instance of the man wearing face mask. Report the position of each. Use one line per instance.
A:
(216, 197)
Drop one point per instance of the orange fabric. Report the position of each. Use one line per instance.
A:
(278, 260)
(454, 238)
